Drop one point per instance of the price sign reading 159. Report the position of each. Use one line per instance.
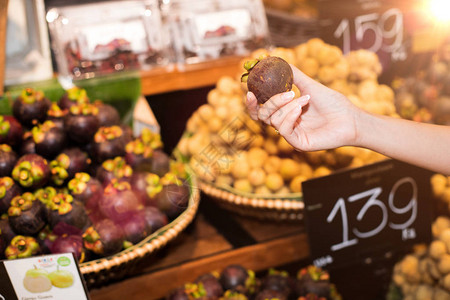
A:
(366, 212)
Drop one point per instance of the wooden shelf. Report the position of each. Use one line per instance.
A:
(199, 75)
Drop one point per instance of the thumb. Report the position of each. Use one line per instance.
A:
(301, 80)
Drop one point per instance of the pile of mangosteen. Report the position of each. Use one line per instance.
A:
(73, 178)
(238, 283)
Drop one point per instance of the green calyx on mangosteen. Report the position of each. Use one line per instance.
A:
(267, 77)
(21, 247)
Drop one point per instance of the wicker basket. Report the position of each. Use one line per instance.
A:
(287, 30)
(284, 208)
(99, 272)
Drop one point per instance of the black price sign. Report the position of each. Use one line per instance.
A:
(365, 213)
(384, 27)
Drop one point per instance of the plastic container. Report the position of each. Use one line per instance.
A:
(97, 39)
(202, 30)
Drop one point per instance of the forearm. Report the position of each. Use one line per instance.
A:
(421, 144)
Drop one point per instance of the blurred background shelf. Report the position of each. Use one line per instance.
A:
(157, 81)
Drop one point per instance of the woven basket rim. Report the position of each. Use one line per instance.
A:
(154, 241)
(292, 202)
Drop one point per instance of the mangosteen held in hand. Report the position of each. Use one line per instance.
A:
(267, 77)
(107, 114)
(73, 96)
(104, 238)
(81, 123)
(174, 196)
(8, 159)
(21, 247)
(26, 214)
(30, 107)
(31, 171)
(49, 139)
(8, 190)
(69, 162)
(10, 131)
(109, 142)
(146, 186)
(64, 209)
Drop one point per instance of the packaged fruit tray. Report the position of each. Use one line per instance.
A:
(100, 271)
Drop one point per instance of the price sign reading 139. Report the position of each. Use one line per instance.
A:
(366, 212)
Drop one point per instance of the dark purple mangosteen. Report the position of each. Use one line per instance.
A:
(151, 138)
(146, 186)
(135, 227)
(81, 123)
(26, 214)
(107, 114)
(69, 162)
(45, 238)
(270, 294)
(28, 146)
(139, 155)
(127, 133)
(10, 131)
(30, 107)
(7, 232)
(86, 189)
(69, 244)
(154, 218)
(49, 139)
(116, 168)
(237, 278)
(21, 247)
(233, 295)
(8, 159)
(8, 190)
(64, 209)
(57, 115)
(73, 96)
(104, 238)
(109, 142)
(178, 294)
(160, 163)
(45, 196)
(211, 284)
(174, 196)
(277, 281)
(313, 280)
(118, 201)
(31, 171)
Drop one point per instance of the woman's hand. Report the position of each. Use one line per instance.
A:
(320, 119)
